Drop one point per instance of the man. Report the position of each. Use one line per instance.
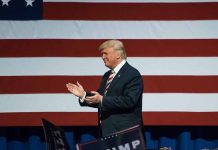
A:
(119, 97)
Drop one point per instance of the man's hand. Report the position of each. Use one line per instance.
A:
(76, 89)
(95, 99)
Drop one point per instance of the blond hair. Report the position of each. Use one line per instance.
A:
(116, 44)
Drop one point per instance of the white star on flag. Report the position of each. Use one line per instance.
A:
(5, 2)
(29, 2)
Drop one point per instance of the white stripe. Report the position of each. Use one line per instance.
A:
(180, 102)
(69, 103)
(134, 1)
(41, 103)
(95, 66)
(109, 29)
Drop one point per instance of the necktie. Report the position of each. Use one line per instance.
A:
(109, 80)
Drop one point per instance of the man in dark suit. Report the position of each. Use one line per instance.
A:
(119, 97)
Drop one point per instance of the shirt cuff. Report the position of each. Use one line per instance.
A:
(101, 100)
(83, 98)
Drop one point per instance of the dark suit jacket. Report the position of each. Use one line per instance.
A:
(122, 105)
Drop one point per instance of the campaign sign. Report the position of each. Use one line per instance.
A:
(54, 136)
(129, 139)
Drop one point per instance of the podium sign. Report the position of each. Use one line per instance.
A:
(54, 136)
(129, 139)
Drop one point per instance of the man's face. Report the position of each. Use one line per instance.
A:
(110, 57)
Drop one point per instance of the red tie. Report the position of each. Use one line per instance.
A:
(109, 80)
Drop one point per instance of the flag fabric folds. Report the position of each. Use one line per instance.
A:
(48, 44)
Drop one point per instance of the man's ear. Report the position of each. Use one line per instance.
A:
(118, 55)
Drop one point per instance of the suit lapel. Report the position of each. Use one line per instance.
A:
(118, 76)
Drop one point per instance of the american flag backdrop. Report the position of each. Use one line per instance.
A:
(44, 45)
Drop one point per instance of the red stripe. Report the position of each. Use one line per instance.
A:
(153, 84)
(89, 48)
(130, 11)
(90, 118)
(44, 84)
(180, 84)
(180, 118)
